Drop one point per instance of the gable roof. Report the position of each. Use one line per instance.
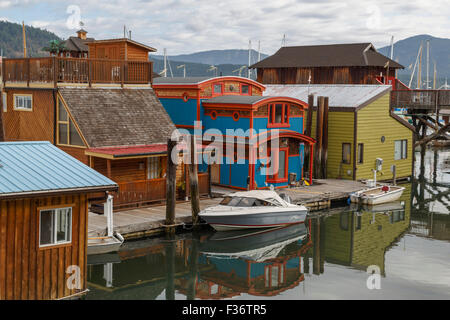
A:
(77, 44)
(334, 55)
(118, 117)
(343, 96)
(148, 48)
(38, 167)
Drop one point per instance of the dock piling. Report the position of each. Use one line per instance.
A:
(171, 188)
(193, 182)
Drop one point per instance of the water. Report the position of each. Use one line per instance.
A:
(406, 242)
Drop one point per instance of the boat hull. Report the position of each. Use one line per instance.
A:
(225, 221)
(103, 246)
(390, 196)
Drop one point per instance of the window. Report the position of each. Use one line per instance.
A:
(23, 102)
(346, 153)
(360, 152)
(217, 89)
(278, 115)
(245, 89)
(400, 149)
(55, 226)
(4, 101)
(67, 132)
(154, 168)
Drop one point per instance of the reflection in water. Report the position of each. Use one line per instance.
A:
(325, 258)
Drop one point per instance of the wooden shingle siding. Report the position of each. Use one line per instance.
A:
(30, 272)
(35, 125)
(374, 121)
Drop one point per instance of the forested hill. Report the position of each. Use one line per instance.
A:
(11, 41)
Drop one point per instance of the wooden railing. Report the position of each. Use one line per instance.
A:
(420, 99)
(73, 70)
(143, 192)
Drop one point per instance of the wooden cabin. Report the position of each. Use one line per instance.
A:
(235, 103)
(355, 63)
(76, 47)
(361, 128)
(119, 49)
(43, 221)
(121, 133)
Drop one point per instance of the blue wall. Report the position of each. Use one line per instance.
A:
(181, 113)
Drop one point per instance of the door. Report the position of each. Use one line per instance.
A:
(215, 173)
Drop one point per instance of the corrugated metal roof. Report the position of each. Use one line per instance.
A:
(339, 95)
(38, 166)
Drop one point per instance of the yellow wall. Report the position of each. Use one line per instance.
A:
(340, 130)
(374, 121)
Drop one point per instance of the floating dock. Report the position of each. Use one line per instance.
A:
(144, 222)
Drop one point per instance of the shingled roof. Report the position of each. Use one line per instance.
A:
(334, 55)
(118, 117)
(77, 44)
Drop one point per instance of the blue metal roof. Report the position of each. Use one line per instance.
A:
(39, 166)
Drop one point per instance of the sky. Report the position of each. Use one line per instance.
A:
(186, 26)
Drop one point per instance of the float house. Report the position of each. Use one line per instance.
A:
(235, 107)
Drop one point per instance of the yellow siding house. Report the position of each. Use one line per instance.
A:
(361, 129)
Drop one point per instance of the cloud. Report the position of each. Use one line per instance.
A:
(184, 26)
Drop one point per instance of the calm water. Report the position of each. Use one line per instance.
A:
(407, 242)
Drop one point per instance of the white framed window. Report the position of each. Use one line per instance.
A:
(55, 226)
(4, 101)
(153, 168)
(400, 149)
(23, 102)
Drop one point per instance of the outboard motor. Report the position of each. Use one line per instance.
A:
(285, 197)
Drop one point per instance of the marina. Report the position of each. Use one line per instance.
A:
(326, 258)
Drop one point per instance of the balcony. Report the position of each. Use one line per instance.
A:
(53, 71)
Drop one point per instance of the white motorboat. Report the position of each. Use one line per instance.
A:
(377, 195)
(253, 209)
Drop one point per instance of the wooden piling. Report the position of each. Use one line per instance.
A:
(308, 129)
(319, 136)
(193, 182)
(171, 188)
(325, 139)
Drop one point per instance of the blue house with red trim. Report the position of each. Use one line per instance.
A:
(254, 141)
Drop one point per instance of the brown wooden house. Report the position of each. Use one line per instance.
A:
(43, 221)
(76, 47)
(355, 63)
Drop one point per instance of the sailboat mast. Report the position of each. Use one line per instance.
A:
(428, 64)
(249, 57)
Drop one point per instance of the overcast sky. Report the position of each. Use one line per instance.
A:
(185, 26)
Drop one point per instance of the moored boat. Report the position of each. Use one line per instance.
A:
(253, 209)
(377, 195)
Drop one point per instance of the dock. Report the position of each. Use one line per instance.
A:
(143, 222)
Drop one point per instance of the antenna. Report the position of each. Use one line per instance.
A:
(283, 42)
(165, 63)
(259, 50)
(213, 68)
(124, 31)
(129, 34)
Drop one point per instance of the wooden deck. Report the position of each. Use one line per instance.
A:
(137, 223)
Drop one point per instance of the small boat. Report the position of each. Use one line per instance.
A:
(253, 209)
(377, 195)
(102, 245)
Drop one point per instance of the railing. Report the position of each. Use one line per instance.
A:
(73, 70)
(420, 99)
(142, 192)
(138, 192)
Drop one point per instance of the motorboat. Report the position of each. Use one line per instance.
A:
(377, 195)
(253, 209)
(253, 244)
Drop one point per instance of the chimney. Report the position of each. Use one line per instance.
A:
(82, 34)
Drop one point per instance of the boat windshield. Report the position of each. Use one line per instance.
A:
(244, 202)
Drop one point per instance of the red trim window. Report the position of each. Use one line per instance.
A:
(214, 115)
(236, 116)
(246, 89)
(281, 165)
(217, 89)
(278, 115)
(185, 96)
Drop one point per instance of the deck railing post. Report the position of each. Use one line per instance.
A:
(55, 71)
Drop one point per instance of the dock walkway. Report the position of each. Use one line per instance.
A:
(142, 222)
